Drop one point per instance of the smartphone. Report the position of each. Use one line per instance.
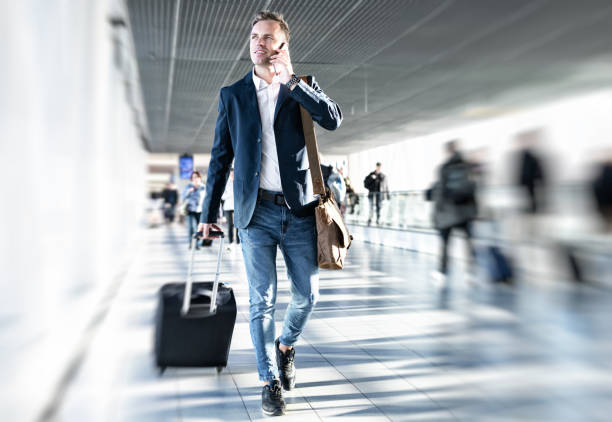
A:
(277, 50)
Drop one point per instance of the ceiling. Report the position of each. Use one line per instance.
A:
(398, 68)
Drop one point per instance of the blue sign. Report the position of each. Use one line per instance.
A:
(185, 166)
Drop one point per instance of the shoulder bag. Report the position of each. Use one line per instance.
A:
(333, 238)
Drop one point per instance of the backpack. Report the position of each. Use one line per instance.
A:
(368, 182)
(458, 185)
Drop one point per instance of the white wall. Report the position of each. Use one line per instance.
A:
(73, 170)
(576, 129)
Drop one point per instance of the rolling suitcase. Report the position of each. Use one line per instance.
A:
(498, 266)
(195, 321)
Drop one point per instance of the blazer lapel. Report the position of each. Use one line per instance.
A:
(283, 95)
(252, 100)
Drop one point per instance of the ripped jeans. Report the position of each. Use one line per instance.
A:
(273, 226)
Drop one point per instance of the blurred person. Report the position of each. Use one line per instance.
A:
(336, 185)
(347, 200)
(531, 175)
(228, 209)
(274, 204)
(602, 191)
(154, 215)
(376, 184)
(170, 195)
(352, 199)
(454, 197)
(193, 195)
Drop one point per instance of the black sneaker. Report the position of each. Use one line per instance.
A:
(286, 368)
(272, 402)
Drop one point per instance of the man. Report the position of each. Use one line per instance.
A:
(455, 205)
(376, 184)
(602, 190)
(170, 195)
(531, 176)
(259, 125)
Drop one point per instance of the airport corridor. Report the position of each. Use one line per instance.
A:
(383, 344)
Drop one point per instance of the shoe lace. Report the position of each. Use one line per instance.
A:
(276, 392)
(287, 358)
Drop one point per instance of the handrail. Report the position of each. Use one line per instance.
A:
(408, 209)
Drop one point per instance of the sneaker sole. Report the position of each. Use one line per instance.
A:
(276, 412)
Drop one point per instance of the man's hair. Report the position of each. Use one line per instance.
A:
(267, 15)
(378, 164)
(195, 173)
(451, 146)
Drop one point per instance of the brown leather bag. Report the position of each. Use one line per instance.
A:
(333, 238)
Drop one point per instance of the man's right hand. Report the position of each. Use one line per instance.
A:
(205, 228)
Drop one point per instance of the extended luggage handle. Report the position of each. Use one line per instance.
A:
(188, 285)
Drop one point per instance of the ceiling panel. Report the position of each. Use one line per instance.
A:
(398, 68)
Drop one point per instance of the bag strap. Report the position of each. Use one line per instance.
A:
(313, 152)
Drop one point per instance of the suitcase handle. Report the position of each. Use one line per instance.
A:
(198, 311)
(211, 233)
(188, 285)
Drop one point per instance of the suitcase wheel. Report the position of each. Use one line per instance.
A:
(219, 369)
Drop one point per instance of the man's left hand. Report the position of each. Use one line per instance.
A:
(282, 64)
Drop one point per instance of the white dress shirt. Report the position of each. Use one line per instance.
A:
(266, 99)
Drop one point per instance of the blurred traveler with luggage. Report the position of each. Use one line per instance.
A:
(454, 197)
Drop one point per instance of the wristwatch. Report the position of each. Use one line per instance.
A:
(293, 81)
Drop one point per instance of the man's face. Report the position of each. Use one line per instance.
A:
(377, 169)
(266, 37)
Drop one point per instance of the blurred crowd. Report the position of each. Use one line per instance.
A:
(574, 223)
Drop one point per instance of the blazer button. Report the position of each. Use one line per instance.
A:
(256, 173)
(258, 140)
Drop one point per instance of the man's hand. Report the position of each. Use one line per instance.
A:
(205, 228)
(282, 65)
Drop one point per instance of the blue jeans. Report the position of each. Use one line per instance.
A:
(193, 218)
(274, 226)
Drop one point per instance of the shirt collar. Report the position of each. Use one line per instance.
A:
(261, 84)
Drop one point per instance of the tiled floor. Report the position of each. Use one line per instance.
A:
(383, 344)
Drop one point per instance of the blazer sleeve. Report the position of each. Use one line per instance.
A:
(323, 109)
(221, 158)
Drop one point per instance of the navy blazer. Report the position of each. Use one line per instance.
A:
(238, 135)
